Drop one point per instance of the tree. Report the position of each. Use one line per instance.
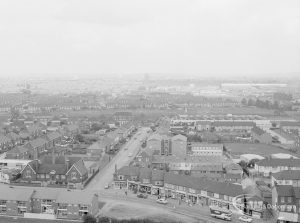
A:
(244, 101)
(79, 138)
(89, 219)
(251, 102)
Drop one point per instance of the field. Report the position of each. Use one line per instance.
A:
(254, 148)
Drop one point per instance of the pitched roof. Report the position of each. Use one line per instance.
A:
(233, 123)
(157, 175)
(123, 114)
(97, 146)
(53, 135)
(287, 175)
(279, 162)
(203, 144)
(297, 192)
(18, 150)
(284, 190)
(179, 137)
(33, 128)
(24, 134)
(79, 165)
(290, 123)
(145, 173)
(13, 136)
(228, 189)
(71, 127)
(37, 142)
(4, 139)
(47, 168)
(16, 194)
(129, 170)
(76, 197)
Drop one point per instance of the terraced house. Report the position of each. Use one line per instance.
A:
(185, 188)
(268, 166)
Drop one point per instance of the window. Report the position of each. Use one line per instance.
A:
(28, 174)
(289, 199)
(3, 202)
(63, 177)
(121, 177)
(73, 175)
(282, 199)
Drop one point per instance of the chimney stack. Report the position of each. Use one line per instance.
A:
(68, 163)
(53, 156)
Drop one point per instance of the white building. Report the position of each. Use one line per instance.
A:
(205, 149)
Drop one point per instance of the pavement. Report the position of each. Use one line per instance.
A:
(105, 175)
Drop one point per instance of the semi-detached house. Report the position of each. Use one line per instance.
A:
(56, 203)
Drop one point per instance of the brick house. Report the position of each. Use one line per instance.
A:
(53, 138)
(75, 204)
(15, 202)
(56, 203)
(37, 146)
(69, 171)
(18, 152)
(287, 199)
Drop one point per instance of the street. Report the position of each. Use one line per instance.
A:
(105, 175)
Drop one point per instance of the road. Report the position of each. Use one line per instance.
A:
(115, 197)
(105, 175)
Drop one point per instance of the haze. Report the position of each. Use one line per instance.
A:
(130, 37)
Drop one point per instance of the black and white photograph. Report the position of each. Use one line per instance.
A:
(149, 111)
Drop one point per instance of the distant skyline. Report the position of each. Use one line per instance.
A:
(197, 38)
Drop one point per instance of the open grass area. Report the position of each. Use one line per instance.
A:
(254, 148)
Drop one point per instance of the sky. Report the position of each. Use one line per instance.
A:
(95, 37)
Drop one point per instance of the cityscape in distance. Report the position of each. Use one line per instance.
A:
(150, 111)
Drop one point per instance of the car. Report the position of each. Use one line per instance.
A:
(245, 218)
(106, 186)
(142, 196)
(162, 201)
(222, 216)
(130, 155)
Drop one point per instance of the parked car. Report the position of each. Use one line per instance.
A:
(245, 218)
(222, 216)
(142, 196)
(106, 186)
(220, 213)
(162, 201)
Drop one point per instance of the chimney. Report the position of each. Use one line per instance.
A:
(35, 154)
(68, 163)
(53, 156)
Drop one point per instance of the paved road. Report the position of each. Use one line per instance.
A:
(121, 159)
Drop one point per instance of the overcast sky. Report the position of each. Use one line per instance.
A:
(153, 36)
